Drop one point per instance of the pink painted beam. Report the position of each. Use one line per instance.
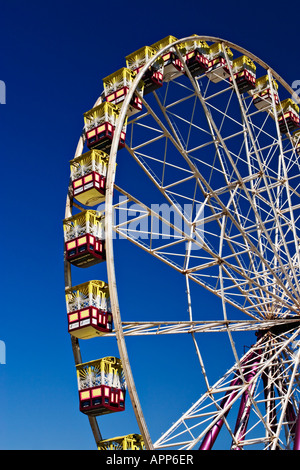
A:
(245, 406)
(213, 433)
(297, 434)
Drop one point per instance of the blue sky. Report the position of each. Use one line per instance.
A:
(53, 57)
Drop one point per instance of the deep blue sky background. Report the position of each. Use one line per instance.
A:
(53, 56)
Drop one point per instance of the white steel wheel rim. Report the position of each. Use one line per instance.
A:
(166, 440)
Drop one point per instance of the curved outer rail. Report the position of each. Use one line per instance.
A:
(109, 219)
(109, 227)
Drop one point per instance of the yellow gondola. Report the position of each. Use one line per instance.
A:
(88, 309)
(101, 386)
(84, 238)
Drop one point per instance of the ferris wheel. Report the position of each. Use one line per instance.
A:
(192, 154)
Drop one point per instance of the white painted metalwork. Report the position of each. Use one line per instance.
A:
(226, 216)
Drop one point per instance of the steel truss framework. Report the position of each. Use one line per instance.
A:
(226, 216)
